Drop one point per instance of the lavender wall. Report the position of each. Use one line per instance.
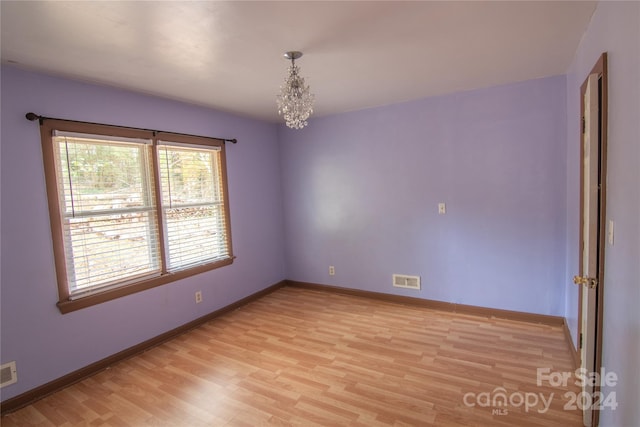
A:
(614, 28)
(361, 192)
(46, 344)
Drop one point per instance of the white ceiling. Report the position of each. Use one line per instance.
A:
(228, 54)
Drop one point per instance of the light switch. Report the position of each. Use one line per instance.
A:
(610, 234)
(442, 208)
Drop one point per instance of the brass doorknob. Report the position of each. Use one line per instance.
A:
(591, 282)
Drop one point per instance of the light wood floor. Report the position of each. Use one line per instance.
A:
(312, 358)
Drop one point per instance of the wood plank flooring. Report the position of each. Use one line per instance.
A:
(311, 358)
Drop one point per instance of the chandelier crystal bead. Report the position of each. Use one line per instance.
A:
(295, 101)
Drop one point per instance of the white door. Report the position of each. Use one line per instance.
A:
(590, 219)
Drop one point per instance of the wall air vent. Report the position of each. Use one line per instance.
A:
(8, 374)
(403, 281)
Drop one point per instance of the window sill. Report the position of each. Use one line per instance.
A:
(70, 305)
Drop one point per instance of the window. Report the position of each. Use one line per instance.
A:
(132, 209)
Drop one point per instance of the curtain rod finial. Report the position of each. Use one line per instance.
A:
(32, 116)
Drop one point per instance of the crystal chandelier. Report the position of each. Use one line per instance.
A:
(295, 102)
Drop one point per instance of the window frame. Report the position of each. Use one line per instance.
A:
(67, 304)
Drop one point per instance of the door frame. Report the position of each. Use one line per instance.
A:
(600, 68)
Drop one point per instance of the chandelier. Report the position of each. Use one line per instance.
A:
(295, 102)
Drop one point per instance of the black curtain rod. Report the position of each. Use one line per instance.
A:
(33, 117)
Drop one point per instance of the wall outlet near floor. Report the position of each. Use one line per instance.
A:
(442, 208)
(198, 297)
(332, 270)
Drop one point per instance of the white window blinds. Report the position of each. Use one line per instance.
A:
(116, 230)
(106, 197)
(193, 206)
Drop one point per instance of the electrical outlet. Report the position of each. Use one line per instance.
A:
(198, 297)
(442, 208)
(332, 270)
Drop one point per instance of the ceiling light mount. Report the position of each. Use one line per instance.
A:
(293, 55)
(295, 101)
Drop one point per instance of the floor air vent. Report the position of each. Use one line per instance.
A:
(8, 374)
(403, 281)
